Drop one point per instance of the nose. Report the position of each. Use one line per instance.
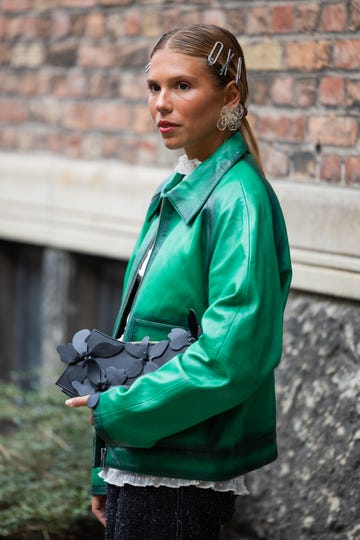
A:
(163, 101)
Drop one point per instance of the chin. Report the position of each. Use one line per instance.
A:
(172, 145)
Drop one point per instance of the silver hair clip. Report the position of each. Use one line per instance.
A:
(147, 67)
(224, 68)
(210, 60)
(238, 72)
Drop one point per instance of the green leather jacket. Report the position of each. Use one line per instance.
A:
(219, 247)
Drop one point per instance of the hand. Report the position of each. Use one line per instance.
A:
(80, 401)
(98, 505)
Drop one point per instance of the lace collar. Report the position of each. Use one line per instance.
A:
(185, 165)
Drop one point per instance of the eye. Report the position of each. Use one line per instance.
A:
(153, 87)
(182, 85)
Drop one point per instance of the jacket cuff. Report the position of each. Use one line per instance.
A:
(98, 485)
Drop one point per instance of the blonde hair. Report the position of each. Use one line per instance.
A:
(198, 40)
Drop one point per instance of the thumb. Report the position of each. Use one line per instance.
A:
(80, 401)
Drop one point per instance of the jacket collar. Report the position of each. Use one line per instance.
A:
(188, 196)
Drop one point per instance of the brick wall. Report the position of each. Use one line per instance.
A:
(72, 79)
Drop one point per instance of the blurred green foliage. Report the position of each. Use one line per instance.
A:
(45, 462)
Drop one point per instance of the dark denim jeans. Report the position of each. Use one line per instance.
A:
(162, 513)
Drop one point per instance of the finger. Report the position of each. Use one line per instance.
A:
(80, 401)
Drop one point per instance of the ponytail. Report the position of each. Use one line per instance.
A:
(249, 137)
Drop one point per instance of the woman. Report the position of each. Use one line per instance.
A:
(175, 445)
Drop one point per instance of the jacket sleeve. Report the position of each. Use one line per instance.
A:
(242, 332)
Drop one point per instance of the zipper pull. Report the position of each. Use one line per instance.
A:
(102, 457)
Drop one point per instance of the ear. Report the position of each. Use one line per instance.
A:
(231, 94)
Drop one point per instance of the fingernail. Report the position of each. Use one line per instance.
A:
(69, 402)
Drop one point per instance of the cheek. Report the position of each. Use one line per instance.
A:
(151, 107)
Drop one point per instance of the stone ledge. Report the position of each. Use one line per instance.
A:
(97, 207)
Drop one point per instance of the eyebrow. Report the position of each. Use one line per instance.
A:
(174, 78)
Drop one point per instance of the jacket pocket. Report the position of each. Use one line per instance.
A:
(137, 329)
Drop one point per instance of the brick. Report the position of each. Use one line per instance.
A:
(331, 90)
(354, 17)
(110, 116)
(9, 83)
(91, 146)
(304, 164)
(12, 110)
(307, 17)
(76, 115)
(60, 24)
(45, 110)
(236, 20)
(115, 26)
(330, 168)
(258, 20)
(347, 54)
(78, 24)
(45, 5)
(170, 19)
(57, 84)
(78, 3)
(307, 55)
(146, 152)
(142, 122)
(132, 23)
(110, 3)
(276, 162)
(192, 17)
(105, 85)
(37, 27)
(352, 170)
(28, 83)
(16, 5)
(333, 131)
(5, 54)
(283, 18)
(110, 146)
(305, 91)
(44, 81)
(353, 93)
(76, 84)
(28, 55)
(264, 56)
(131, 87)
(95, 25)
(132, 54)
(333, 18)
(2, 25)
(56, 141)
(14, 27)
(151, 23)
(259, 89)
(214, 16)
(102, 56)
(8, 138)
(282, 91)
(72, 145)
(282, 128)
(62, 54)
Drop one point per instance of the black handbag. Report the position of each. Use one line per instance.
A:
(95, 361)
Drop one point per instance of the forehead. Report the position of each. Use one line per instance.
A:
(171, 64)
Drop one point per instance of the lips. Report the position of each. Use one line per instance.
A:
(166, 127)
